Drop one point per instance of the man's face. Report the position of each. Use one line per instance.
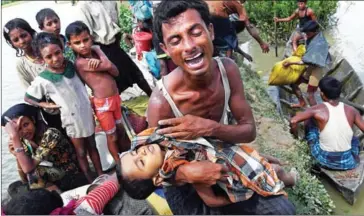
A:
(52, 25)
(301, 5)
(81, 43)
(188, 41)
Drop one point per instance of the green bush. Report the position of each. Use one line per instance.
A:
(309, 195)
(4, 2)
(125, 23)
(261, 13)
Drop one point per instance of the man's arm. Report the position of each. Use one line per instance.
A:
(208, 196)
(287, 19)
(358, 120)
(295, 40)
(311, 14)
(301, 116)
(158, 108)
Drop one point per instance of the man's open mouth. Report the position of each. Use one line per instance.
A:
(195, 61)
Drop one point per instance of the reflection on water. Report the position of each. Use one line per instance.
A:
(348, 39)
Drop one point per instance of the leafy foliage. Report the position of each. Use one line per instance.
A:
(261, 13)
(309, 195)
(125, 23)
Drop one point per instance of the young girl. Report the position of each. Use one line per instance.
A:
(60, 81)
(19, 35)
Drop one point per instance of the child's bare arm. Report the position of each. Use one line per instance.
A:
(82, 65)
(45, 105)
(210, 199)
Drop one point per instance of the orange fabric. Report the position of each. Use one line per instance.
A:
(108, 112)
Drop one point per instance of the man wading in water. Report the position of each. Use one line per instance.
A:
(192, 101)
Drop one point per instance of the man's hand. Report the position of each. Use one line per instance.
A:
(187, 127)
(286, 64)
(202, 172)
(248, 57)
(93, 63)
(265, 47)
(276, 19)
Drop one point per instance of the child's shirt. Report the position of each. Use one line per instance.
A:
(67, 91)
(248, 171)
(28, 69)
(91, 204)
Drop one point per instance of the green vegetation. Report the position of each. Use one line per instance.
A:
(261, 13)
(309, 195)
(125, 23)
(4, 2)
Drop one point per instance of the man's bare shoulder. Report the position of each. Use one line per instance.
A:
(158, 108)
(232, 70)
(349, 110)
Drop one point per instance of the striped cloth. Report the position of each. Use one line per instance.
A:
(248, 171)
(334, 160)
(91, 204)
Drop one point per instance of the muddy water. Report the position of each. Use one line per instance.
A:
(347, 37)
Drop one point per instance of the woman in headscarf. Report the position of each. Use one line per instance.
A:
(44, 155)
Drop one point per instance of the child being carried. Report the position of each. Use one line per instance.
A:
(157, 157)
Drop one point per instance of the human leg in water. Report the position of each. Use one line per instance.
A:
(297, 91)
(81, 152)
(94, 154)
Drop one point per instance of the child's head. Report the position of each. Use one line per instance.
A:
(18, 33)
(34, 202)
(142, 163)
(79, 38)
(48, 21)
(310, 28)
(301, 4)
(136, 189)
(48, 47)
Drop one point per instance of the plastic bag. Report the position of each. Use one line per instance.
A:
(153, 63)
(281, 75)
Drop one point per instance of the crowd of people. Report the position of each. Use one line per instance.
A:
(198, 117)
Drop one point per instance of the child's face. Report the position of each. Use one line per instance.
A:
(53, 56)
(143, 163)
(52, 25)
(20, 38)
(301, 5)
(81, 43)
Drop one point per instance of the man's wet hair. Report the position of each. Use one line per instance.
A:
(168, 9)
(44, 13)
(35, 202)
(76, 28)
(310, 26)
(136, 189)
(330, 87)
(42, 40)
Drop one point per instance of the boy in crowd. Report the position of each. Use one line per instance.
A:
(99, 73)
(48, 21)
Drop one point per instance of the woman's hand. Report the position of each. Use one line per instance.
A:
(12, 128)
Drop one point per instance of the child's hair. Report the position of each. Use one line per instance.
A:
(44, 13)
(42, 40)
(76, 28)
(35, 202)
(17, 23)
(136, 189)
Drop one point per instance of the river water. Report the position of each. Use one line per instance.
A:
(347, 37)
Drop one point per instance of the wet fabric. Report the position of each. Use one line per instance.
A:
(248, 171)
(317, 51)
(334, 160)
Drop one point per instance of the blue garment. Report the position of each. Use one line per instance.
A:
(153, 63)
(142, 10)
(334, 160)
(317, 51)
